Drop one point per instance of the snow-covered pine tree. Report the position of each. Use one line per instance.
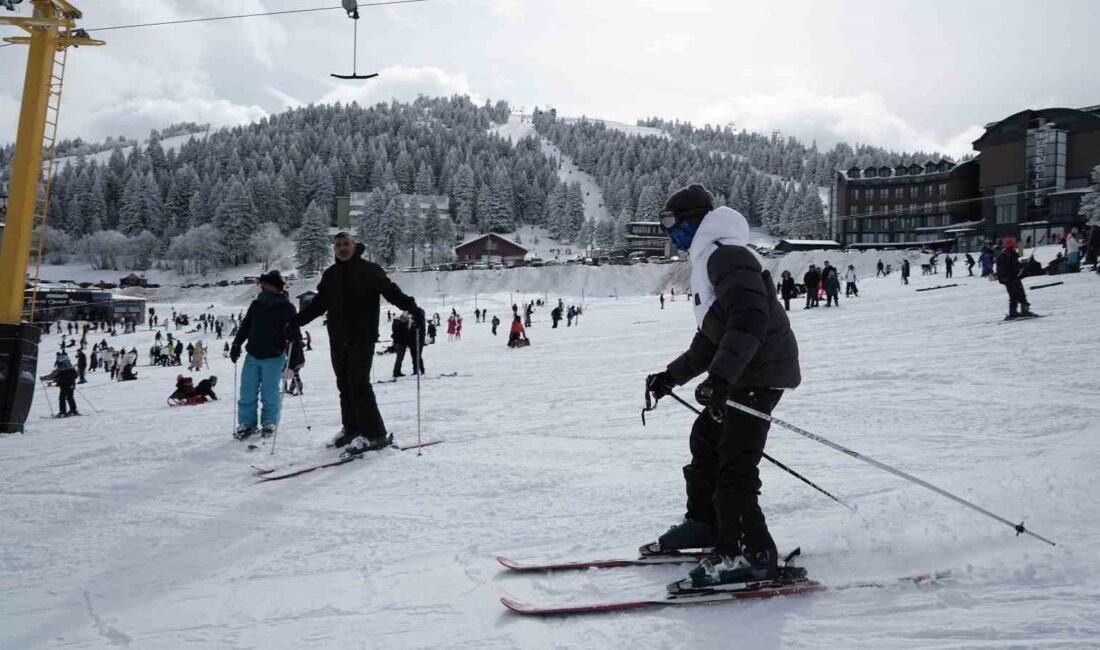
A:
(312, 247)
(131, 213)
(265, 243)
(650, 204)
(484, 212)
(573, 217)
(236, 219)
(392, 227)
(463, 195)
(502, 216)
(433, 230)
(424, 185)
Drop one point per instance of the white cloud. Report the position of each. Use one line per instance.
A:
(139, 115)
(864, 118)
(401, 83)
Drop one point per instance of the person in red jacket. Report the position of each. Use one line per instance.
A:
(517, 338)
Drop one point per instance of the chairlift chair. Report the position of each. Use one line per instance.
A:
(352, 7)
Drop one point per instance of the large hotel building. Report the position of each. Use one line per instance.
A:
(1026, 181)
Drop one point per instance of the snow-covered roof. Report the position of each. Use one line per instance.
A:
(810, 242)
(491, 234)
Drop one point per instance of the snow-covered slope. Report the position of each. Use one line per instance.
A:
(142, 526)
(519, 126)
(167, 144)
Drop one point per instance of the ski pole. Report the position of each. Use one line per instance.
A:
(418, 363)
(47, 394)
(233, 429)
(1019, 528)
(88, 401)
(275, 433)
(774, 461)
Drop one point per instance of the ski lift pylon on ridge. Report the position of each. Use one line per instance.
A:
(352, 7)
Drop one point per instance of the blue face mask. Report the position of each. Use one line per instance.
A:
(682, 233)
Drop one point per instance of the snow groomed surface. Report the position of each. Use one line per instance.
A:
(142, 526)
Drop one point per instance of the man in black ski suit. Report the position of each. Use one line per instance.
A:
(1008, 274)
(349, 293)
(745, 344)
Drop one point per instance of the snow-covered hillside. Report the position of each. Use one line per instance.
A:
(169, 143)
(520, 126)
(142, 526)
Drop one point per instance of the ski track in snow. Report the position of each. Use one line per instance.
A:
(143, 526)
(518, 127)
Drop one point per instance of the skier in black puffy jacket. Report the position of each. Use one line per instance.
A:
(349, 293)
(745, 344)
(1008, 273)
(65, 376)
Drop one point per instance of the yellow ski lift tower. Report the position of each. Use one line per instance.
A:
(51, 32)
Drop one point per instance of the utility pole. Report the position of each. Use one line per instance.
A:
(52, 31)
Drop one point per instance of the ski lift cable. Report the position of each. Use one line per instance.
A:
(255, 15)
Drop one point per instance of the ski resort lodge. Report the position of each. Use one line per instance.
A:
(490, 248)
(1026, 181)
(57, 303)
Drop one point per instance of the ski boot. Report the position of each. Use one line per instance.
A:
(267, 430)
(243, 432)
(363, 444)
(684, 535)
(734, 572)
(342, 439)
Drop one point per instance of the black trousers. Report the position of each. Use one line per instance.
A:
(786, 303)
(723, 478)
(351, 362)
(811, 295)
(66, 399)
(850, 289)
(1016, 296)
(949, 271)
(399, 350)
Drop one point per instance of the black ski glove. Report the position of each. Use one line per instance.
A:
(235, 352)
(660, 384)
(712, 393)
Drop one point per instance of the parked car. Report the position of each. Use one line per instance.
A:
(479, 267)
(459, 266)
(536, 261)
(553, 263)
(603, 260)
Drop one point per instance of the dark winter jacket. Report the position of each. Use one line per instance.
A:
(787, 288)
(64, 375)
(832, 279)
(81, 360)
(745, 336)
(1008, 265)
(268, 326)
(205, 389)
(349, 292)
(811, 279)
(905, 268)
(402, 332)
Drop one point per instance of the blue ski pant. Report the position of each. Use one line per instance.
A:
(260, 380)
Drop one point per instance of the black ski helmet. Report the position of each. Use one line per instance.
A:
(213, 380)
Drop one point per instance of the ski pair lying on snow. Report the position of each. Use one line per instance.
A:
(271, 475)
(786, 586)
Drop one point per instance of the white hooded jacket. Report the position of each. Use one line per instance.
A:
(721, 225)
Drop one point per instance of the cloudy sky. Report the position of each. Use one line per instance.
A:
(923, 74)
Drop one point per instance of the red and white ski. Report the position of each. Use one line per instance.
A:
(269, 474)
(702, 597)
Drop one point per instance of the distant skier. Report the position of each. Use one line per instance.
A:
(269, 329)
(451, 321)
(64, 375)
(349, 291)
(662, 300)
(555, 317)
(985, 258)
(431, 331)
(948, 265)
(831, 280)
(811, 279)
(881, 269)
(496, 323)
(850, 288)
(787, 289)
(905, 271)
(81, 364)
(527, 311)
(1008, 274)
(572, 314)
(745, 344)
(970, 265)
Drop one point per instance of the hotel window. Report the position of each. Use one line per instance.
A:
(927, 208)
(899, 192)
(914, 192)
(854, 195)
(943, 189)
(1004, 204)
(928, 190)
(884, 193)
